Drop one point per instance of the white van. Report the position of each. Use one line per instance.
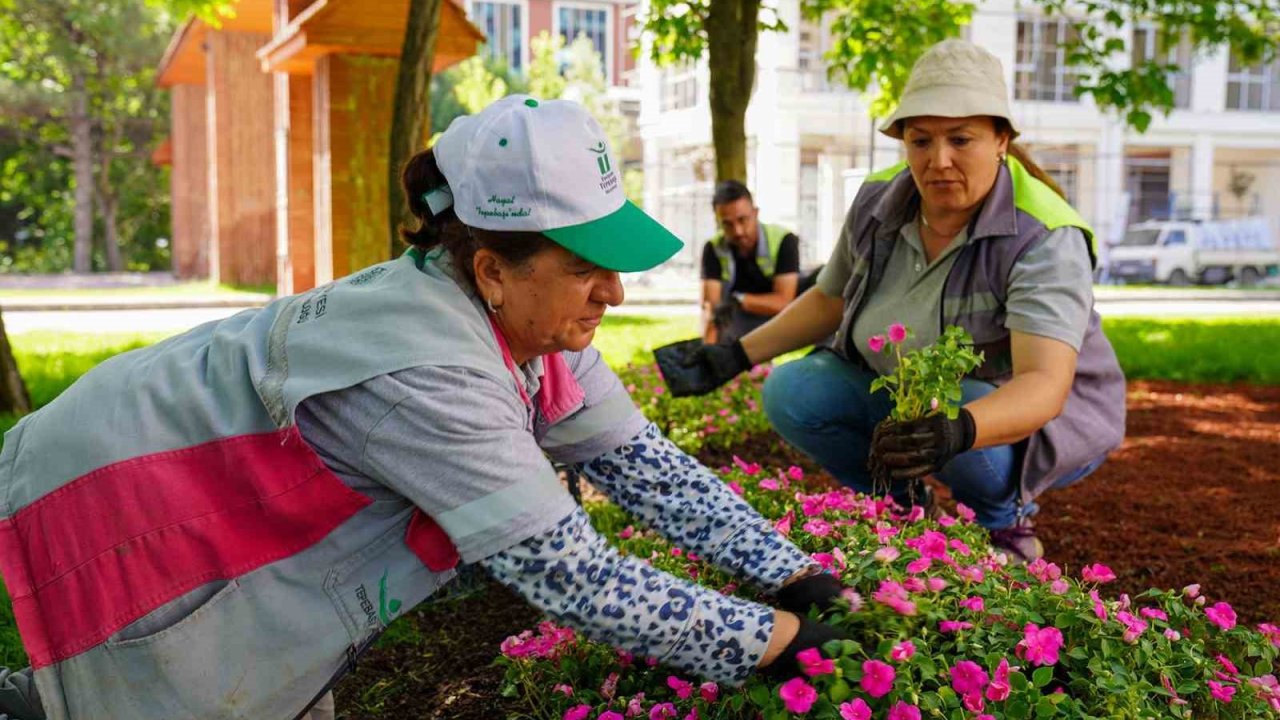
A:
(1183, 252)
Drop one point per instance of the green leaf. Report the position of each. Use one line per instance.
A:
(839, 691)
(1042, 676)
(760, 695)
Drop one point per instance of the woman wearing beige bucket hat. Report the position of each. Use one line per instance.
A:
(970, 232)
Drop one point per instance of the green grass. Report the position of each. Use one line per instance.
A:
(176, 290)
(1198, 350)
(1194, 350)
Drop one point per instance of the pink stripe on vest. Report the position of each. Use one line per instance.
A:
(100, 552)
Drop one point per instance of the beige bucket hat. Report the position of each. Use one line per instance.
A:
(954, 78)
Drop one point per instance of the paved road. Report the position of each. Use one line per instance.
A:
(169, 320)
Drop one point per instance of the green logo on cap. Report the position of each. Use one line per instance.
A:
(602, 159)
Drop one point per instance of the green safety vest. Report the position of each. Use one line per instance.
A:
(766, 253)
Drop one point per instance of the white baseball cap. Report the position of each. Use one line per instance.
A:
(526, 165)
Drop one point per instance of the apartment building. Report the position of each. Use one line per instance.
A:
(1217, 155)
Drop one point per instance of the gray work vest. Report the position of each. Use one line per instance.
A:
(1019, 212)
(174, 549)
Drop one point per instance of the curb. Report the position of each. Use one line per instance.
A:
(77, 304)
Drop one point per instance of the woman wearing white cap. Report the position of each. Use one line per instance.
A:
(969, 232)
(216, 526)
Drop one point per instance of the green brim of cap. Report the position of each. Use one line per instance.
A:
(627, 240)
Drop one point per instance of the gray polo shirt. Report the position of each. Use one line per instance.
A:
(1050, 291)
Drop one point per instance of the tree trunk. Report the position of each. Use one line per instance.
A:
(14, 397)
(110, 206)
(82, 162)
(411, 121)
(732, 32)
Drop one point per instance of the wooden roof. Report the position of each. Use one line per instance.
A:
(183, 60)
(363, 27)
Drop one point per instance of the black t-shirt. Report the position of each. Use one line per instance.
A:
(749, 278)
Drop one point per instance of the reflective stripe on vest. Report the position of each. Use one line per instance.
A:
(766, 253)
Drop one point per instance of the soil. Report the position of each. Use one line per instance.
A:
(1192, 496)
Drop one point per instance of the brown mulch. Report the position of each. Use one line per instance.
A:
(1193, 495)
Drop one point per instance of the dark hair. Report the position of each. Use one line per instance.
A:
(422, 174)
(728, 191)
(1024, 156)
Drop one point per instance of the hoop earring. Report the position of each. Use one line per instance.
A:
(488, 302)
(1001, 159)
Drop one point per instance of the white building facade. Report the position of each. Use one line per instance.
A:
(1217, 155)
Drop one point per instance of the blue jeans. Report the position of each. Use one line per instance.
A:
(824, 406)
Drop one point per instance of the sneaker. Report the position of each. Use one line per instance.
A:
(1018, 542)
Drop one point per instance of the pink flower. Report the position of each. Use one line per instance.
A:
(1059, 587)
(897, 333)
(709, 691)
(1097, 573)
(888, 553)
(1040, 646)
(682, 688)
(902, 651)
(930, 544)
(1270, 632)
(1221, 693)
(895, 596)
(769, 484)
(610, 715)
(904, 711)
(826, 560)
(577, 712)
(856, 709)
(1222, 615)
(852, 597)
(1153, 614)
(960, 547)
(933, 403)
(566, 690)
(952, 626)
(735, 487)
(972, 573)
(974, 603)
(1172, 635)
(877, 678)
(662, 711)
(746, 467)
(919, 565)
(626, 533)
(818, 528)
(813, 664)
(968, 677)
(913, 584)
(936, 584)
(635, 707)
(875, 343)
(1043, 570)
(965, 512)
(999, 689)
(783, 525)
(1227, 665)
(609, 687)
(947, 521)
(797, 695)
(1192, 591)
(1099, 609)
(795, 472)
(1133, 626)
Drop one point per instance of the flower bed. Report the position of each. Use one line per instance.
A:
(946, 630)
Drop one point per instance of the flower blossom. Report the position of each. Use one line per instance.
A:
(974, 603)
(709, 691)
(897, 333)
(813, 664)
(951, 626)
(610, 715)
(876, 343)
(886, 554)
(682, 688)
(818, 528)
(904, 711)
(797, 695)
(577, 712)
(1221, 693)
(856, 709)
(968, 677)
(795, 472)
(1040, 646)
(662, 711)
(965, 512)
(999, 689)
(895, 596)
(902, 651)
(877, 678)
(1221, 614)
(770, 484)
(1097, 573)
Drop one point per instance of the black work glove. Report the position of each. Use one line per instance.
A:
(914, 449)
(692, 367)
(820, 590)
(723, 313)
(812, 634)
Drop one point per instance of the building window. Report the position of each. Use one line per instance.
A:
(1040, 69)
(1253, 87)
(1148, 46)
(679, 88)
(503, 24)
(1149, 188)
(810, 63)
(593, 23)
